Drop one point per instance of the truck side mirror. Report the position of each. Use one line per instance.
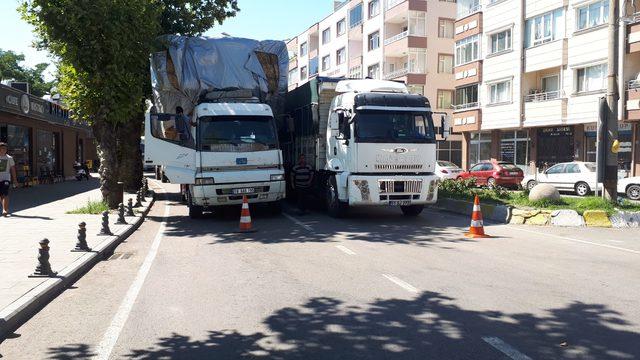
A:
(444, 127)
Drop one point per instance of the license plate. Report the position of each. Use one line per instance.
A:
(244, 191)
(514, 173)
(400, 202)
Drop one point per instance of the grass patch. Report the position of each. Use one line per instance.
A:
(466, 190)
(92, 207)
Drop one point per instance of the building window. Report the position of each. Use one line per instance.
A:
(544, 28)
(467, 97)
(479, 147)
(293, 76)
(467, 50)
(18, 139)
(467, 7)
(450, 150)
(355, 16)
(373, 71)
(500, 92)
(374, 8)
(592, 15)
(341, 56)
(591, 78)
(341, 27)
(514, 147)
(374, 41)
(303, 73)
(445, 64)
(313, 66)
(326, 36)
(418, 23)
(303, 49)
(500, 41)
(445, 28)
(326, 63)
(550, 83)
(445, 98)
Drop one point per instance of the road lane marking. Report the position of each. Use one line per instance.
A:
(505, 348)
(110, 338)
(580, 241)
(345, 250)
(298, 222)
(401, 283)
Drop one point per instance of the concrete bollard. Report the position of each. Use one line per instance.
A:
(43, 269)
(105, 231)
(138, 200)
(130, 207)
(121, 219)
(81, 245)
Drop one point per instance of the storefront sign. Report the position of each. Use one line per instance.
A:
(11, 100)
(556, 131)
(594, 127)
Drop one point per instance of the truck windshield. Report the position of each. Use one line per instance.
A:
(394, 127)
(236, 133)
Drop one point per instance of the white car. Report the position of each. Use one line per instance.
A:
(447, 170)
(576, 176)
(630, 187)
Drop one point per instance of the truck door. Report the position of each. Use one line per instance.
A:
(169, 142)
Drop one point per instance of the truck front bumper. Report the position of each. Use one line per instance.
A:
(232, 194)
(392, 190)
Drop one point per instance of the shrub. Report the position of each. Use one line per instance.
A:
(92, 207)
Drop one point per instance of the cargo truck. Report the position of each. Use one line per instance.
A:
(370, 142)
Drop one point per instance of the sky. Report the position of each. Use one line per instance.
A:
(257, 19)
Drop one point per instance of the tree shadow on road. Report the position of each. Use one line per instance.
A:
(430, 326)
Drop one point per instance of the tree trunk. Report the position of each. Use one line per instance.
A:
(106, 136)
(130, 168)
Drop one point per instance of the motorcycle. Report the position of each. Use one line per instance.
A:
(81, 171)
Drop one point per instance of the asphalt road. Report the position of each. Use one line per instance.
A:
(373, 286)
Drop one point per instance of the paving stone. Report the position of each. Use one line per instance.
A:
(539, 219)
(566, 218)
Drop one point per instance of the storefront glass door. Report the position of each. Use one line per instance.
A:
(47, 153)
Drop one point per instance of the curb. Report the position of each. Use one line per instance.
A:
(22, 309)
(495, 213)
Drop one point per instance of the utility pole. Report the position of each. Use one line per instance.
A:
(610, 157)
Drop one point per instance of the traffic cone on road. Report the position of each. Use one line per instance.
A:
(476, 230)
(245, 217)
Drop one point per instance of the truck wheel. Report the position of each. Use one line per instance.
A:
(412, 210)
(335, 207)
(195, 211)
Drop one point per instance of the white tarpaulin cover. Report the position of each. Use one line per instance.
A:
(191, 67)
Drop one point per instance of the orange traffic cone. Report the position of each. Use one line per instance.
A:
(245, 217)
(476, 230)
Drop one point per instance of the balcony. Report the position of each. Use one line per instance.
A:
(633, 100)
(547, 55)
(545, 108)
(408, 76)
(468, 74)
(395, 38)
(398, 45)
(634, 35)
(468, 117)
(397, 10)
(293, 62)
(464, 11)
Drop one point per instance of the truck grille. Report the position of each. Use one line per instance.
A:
(398, 167)
(400, 186)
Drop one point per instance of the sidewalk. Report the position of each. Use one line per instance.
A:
(38, 213)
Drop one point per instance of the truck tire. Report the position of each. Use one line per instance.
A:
(195, 211)
(412, 210)
(335, 207)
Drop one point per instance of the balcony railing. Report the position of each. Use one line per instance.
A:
(464, 12)
(543, 96)
(633, 84)
(355, 72)
(396, 74)
(466, 106)
(392, 3)
(395, 38)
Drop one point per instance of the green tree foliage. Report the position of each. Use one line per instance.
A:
(11, 69)
(193, 17)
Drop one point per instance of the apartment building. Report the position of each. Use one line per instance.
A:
(402, 40)
(529, 76)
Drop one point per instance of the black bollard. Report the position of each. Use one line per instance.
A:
(105, 231)
(81, 245)
(121, 219)
(145, 186)
(138, 200)
(130, 208)
(142, 195)
(43, 269)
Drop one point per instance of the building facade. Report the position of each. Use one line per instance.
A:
(529, 76)
(42, 139)
(402, 40)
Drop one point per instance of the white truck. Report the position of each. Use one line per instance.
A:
(227, 147)
(370, 142)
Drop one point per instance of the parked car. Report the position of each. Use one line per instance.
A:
(576, 176)
(630, 187)
(494, 173)
(447, 170)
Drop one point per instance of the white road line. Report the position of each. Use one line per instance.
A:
(505, 348)
(579, 241)
(104, 349)
(401, 283)
(298, 222)
(345, 250)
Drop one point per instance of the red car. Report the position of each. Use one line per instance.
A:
(494, 173)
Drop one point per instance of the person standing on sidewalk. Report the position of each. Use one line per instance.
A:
(7, 176)
(302, 178)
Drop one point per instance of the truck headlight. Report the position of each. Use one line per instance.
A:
(204, 181)
(277, 177)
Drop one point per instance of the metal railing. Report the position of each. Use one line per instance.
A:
(633, 84)
(470, 105)
(392, 3)
(468, 11)
(355, 72)
(395, 38)
(543, 96)
(396, 73)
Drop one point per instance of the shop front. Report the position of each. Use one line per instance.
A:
(625, 154)
(555, 145)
